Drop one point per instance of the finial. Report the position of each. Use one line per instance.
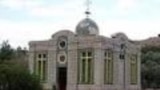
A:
(88, 3)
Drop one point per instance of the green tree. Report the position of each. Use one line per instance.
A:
(150, 67)
(14, 74)
(15, 77)
(6, 52)
(21, 56)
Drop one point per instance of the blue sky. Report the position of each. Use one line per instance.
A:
(24, 20)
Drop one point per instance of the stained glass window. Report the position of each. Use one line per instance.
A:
(108, 67)
(85, 67)
(133, 69)
(41, 66)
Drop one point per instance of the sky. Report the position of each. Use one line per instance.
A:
(22, 21)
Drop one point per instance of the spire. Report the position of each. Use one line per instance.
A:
(87, 12)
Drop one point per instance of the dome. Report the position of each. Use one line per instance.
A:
(121, 36)
(87, 27)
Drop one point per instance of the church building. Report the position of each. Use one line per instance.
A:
(85, 60)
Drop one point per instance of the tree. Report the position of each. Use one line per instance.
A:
(14, 74)
(6, 52)
(21, 56)
(15, 77)
(150, 67)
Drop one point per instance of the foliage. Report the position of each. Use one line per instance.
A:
(15, 77)
(150, 48)
(14, 74)
(6, 52)
(150, 67)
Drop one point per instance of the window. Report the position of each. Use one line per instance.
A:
(122, 46)
(133, 69)
(122, 56)
(108, 67)
(41, 66)
(85, 71)
(62, 42)
(122, 52)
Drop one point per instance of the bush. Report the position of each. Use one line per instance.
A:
(15, 77)
(150, 67)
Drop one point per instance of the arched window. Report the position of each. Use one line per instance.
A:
(108, 67)
(41, 66)
(85, 66)
(133, 69)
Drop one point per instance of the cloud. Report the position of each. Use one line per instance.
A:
(39, 8)
(20, 4)
(134, 30)
(64, 9)
(124, 6)
(20, 33)
(70, 12)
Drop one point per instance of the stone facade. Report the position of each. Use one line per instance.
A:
(62, 51)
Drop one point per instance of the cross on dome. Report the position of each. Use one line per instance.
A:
(88, 3)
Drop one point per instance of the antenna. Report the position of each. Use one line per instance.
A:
(87, 12)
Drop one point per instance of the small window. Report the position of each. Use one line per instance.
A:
(89, 54)
(110, 54)
(83, 54)
(122, 56)
(122, 46)
(62, 44)
(39, 56)
(62, 58)
(105, 54)
(44, 56)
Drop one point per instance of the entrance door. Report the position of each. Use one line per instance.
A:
(62, 78)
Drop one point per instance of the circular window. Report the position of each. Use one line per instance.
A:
(62, 44)
(62, 58)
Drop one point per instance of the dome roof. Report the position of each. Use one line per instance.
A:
(86, 27)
